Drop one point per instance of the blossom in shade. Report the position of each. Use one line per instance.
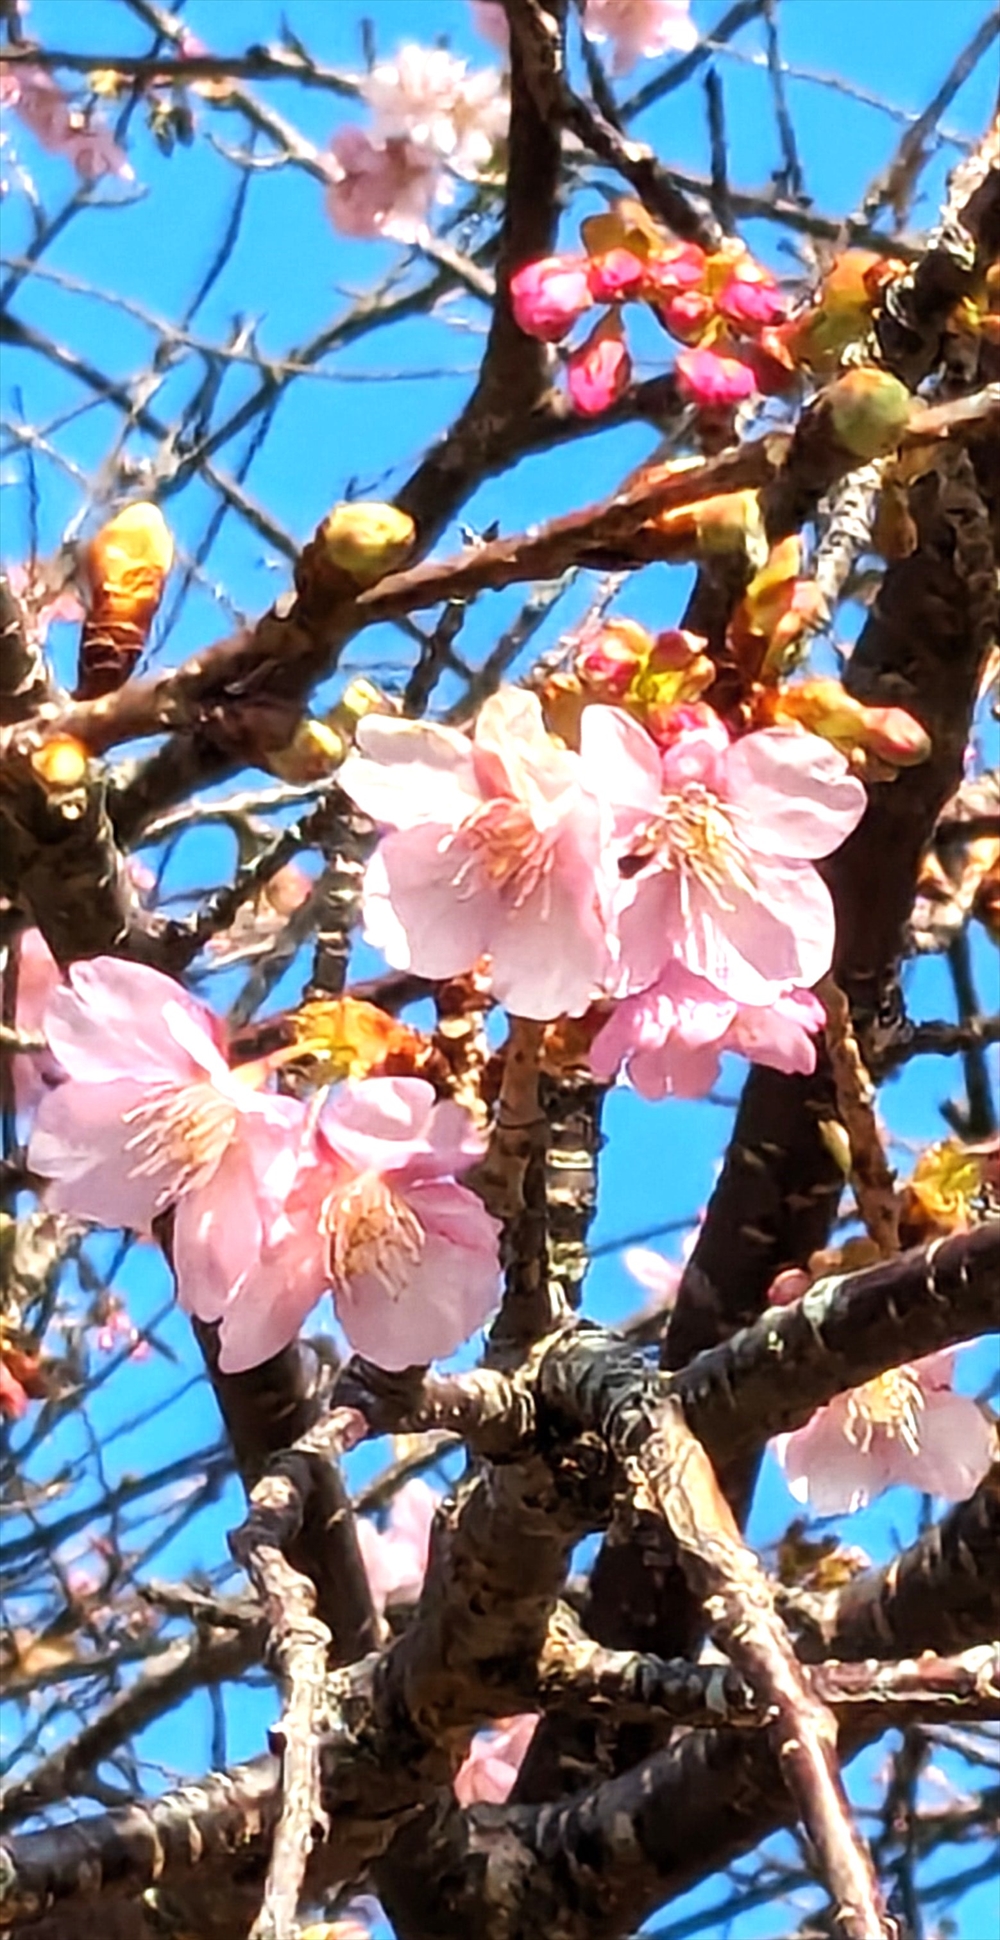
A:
(495, 1757)
(641, 29)
(413, 1255)
(721, 838)
(434, 102)
(395, 1558)
(598, 373)
(38, 979)
(497, 847)
(907, 1425)
(712, 380)
(42, 107)
(151, 1116)
(669, 1039)
(548, 296)
(379, 189)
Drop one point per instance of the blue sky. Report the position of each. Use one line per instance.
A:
(362, 425)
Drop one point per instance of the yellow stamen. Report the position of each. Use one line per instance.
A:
(182, 1129)
(372, 1231)
(893, 1403)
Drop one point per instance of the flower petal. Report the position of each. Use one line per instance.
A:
(405, 773)
(379, 1124)
(120, 1019)
(83, 1146)
(797, 795)
(418, 912)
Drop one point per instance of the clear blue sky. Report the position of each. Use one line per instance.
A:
(364, 423)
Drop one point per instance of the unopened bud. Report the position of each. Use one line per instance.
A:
(609, 662)
(869, 410)
(825, 707)
(125, 567)
(314, 751)
(366, 539)
(60, 763)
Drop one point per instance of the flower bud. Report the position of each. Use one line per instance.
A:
(548, 296)
(314, 751)
(869, 410)
(60, 762)
(365, 539)
(712, 381)
(124, 567)
(842, 309)
(824, 707)
(609, 662)
(616, 276)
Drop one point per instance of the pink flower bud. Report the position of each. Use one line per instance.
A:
(895, 736)
(615, 276)
(547, 297)
(599, 372)
(750, 303)
(695, 749)
(686, 315)
(710, 380)
(610, 662)
(675, 649)
(674, 270)
(788, 1286)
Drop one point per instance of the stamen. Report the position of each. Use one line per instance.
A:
(180, 1129)
(373, 1231)
(506, 846)
(893, 1403)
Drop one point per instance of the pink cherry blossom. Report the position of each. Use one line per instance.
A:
(713, 381)
(498, 847)
(598, 373)
(906, 1426)
(38, 979)
(670, 1038)
(660, 1277)
(494, 1760)
(414, 1263)
(395, 1558)
(722, 844)
(40, 103)
(686, 315)
(41, 606)
(379, 190)
(151, 1116)
(675, 270)
(432, 101)
(13, 1395)
(641, 29)
(548, 296)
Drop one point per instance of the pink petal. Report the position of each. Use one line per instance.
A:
(957, 1447)
(451, 1290)
(796, 792)
(218, 1235)
(82, 1146)
(548, 296)
(515, 755)
(379, 1124)
(599, 372)
(653, 1271)
(123, 1020)
(413, 911)
(621, 764)
(712, 381)
(405, 773)
(825, 1469)
(779, 932)
(550, 954)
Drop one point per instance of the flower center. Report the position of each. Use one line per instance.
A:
(372, 1230)
(183, 1130)
(694, 835)
(892, 1404)
(504, 844)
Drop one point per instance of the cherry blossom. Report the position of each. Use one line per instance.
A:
(722, 840)
(379, 189)
(495, 1757)
(41, 606)
(712, 380)
(660, 1277)
(670, 1038)
(151, 1116)
(413, 1255)
(905, 1426)
(641, 29)
(432, 101)
(395, 1558)
(497, 847)
(42, 106)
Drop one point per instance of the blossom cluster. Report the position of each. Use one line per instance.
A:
(722, 306)
(42, 107)
(271, 1203)
(433, 120)
(636, 29)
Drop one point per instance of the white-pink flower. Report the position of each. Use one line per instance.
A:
(414, 1261)
(669, 1038)
(494, 1759)
(906, 1426)
(41, 105)
(660, 1277)
(428, 98)
(498, 848)
(151, 1116)
(641, 29)
(722, 837)
(395, 1558)
(379, 189)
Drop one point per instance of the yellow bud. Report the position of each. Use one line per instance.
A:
(837, 1143)
(127, 562)
(361, 697)
(61, 762)
(314, 751)
(870, 410)
(366, 539)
